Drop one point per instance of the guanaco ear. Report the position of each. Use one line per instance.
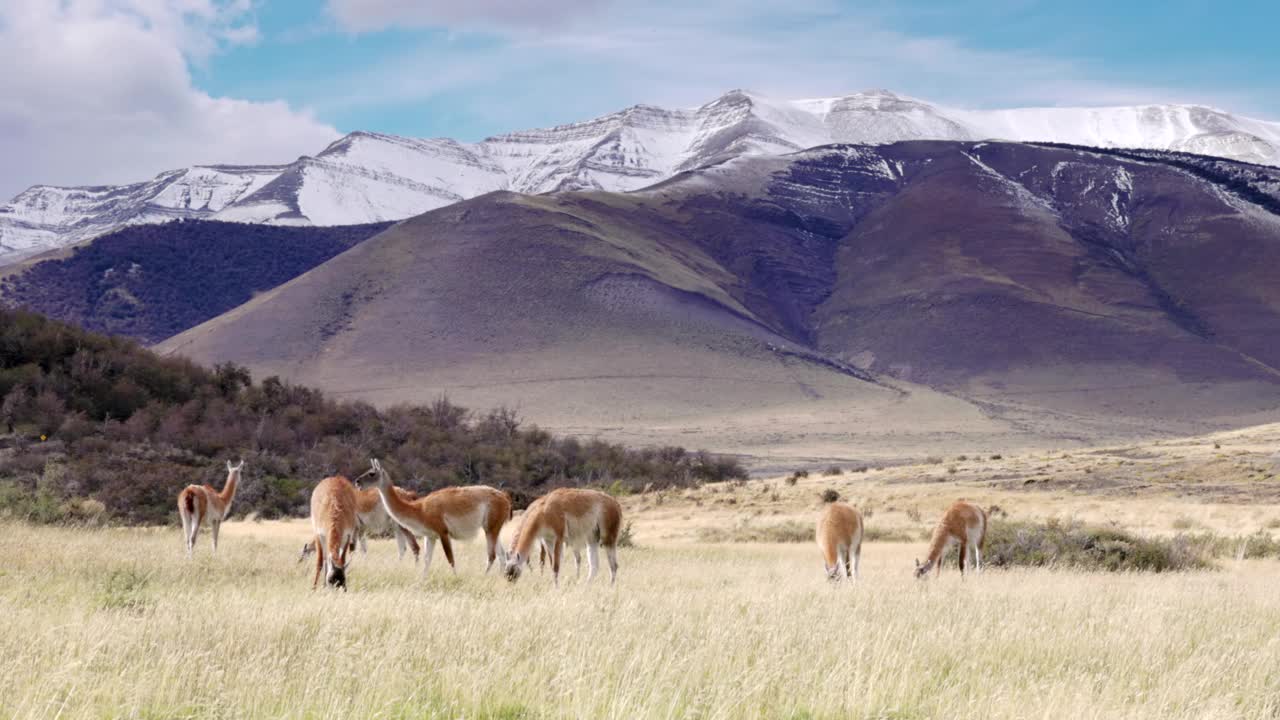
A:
(241, 464)
(229, 468)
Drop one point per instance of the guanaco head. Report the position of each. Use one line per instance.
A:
(376, 473)
(515, 565)
(234, 470)
(337, 577)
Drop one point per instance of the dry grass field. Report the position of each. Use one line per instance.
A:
(117, 623)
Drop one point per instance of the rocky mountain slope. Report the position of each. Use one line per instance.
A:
(1043, 290)
(369, 177)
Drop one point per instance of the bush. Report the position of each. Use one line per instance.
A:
(625, 538)
(830, 495)
(1077, 546)
(833, 471)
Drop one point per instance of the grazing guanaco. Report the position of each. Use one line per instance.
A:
(447, 514)
(371, 517)
(839, 535)
(201, 504)
(333, 519)
(963, 523)
(572, 517)
(543, 547)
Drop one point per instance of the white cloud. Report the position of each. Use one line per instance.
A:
(367, 15)
(99, 91)
(599, 56)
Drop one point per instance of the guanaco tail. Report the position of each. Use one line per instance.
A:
(963, 523)
(333, 519)
(371, 517)
(839, 534)
(201, 504)
(572, 517)
(445, 515)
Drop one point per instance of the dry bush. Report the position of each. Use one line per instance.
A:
(1078, 546)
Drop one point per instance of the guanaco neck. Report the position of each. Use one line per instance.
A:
(229, 490)
(937, 547)
(528, 535)
(396, 505)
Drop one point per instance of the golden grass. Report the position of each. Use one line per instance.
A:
(117, 623)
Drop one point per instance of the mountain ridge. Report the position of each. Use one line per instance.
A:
(368, 177)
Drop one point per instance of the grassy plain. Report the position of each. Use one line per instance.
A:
(115, 622)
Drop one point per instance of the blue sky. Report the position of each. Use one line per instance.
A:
(467, 77)
(113, 91)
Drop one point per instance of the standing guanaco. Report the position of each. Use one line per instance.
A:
(572, 517)
(963, 523)
(456, 512)
(371, 517)
(201, 504)
(333, 519)
(839, 535)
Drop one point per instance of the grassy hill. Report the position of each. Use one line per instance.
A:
(1010, 291)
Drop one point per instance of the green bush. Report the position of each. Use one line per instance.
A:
(1078, 546)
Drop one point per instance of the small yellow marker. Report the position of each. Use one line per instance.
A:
(43, 438)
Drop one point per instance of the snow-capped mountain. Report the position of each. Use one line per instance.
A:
(368, 177)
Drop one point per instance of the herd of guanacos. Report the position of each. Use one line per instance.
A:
(343, 513)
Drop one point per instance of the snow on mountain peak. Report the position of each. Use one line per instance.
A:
(368, 176)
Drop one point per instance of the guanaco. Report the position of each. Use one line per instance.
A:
(572, 517)
(201, 504)
(963, 523)
(333, 519)
(543, 548)
(839, 534)
(371, 517)
(447, 514)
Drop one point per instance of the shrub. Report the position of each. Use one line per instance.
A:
(833, 471)
(1075, 545)
(625, 538)
(830, 495)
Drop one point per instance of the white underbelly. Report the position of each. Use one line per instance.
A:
(465, 526)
